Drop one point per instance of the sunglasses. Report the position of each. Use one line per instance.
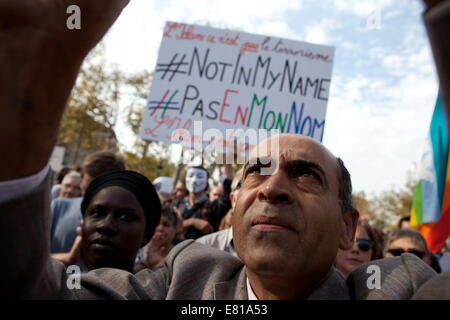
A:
(364, 244)
(398, 251)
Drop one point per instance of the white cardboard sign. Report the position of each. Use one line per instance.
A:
(210, 82)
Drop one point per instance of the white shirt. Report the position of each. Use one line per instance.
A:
(251, 294)
(222, 240)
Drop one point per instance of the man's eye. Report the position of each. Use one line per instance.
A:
(253, 170)
(306, 173)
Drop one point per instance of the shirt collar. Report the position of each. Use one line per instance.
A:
(250, 293)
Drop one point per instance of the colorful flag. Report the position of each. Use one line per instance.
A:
(430, 211)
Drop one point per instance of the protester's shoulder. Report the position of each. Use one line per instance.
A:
(56, 187)
(390, 278)
(116, 284)
(191, 253)
(66, 201)
(437, 288)
(444, 262)
(60, 205)
(187, 260)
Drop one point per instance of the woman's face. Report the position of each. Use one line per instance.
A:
(113, 229)
(349, 260)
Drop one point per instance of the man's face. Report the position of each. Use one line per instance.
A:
(196, 180)
(216, 193)
(406, 244)
(70, 187)
(290, 222)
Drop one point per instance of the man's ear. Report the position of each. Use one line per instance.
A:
(233, 199)
(350, 221)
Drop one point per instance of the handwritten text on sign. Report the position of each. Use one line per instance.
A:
(235, 80)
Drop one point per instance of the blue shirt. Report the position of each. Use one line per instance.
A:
(65, 218)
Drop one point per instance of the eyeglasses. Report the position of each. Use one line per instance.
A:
(398, 251)
(364, 244)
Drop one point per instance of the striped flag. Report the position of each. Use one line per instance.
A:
(430, 211)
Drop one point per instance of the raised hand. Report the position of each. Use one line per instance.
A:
(155, 251)
(39, 62)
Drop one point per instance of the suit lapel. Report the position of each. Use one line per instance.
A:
(333, 288)
(234, 289)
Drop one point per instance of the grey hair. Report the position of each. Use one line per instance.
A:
(70, 175)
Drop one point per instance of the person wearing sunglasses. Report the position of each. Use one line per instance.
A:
(366, 247)
(407, 240)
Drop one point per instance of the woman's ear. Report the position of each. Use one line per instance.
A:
(350, 222)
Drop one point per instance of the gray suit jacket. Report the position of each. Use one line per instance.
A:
(437, 288)
(191, 271)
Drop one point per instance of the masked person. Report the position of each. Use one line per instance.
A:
(197, 211)
(201, 215)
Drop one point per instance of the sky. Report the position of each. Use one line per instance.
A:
(383, 86)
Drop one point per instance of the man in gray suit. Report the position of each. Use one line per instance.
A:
(293, 212)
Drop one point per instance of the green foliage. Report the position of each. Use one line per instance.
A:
(150, 166)
(91, 113)
(385, 209)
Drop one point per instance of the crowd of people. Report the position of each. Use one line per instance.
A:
(202, 209)
(108, 226)
(287, 231)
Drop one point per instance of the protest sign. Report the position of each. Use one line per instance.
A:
(213, 85)
(57, 158)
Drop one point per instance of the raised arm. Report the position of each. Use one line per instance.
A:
(40, 59)
(437, 22)
(39, 62)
